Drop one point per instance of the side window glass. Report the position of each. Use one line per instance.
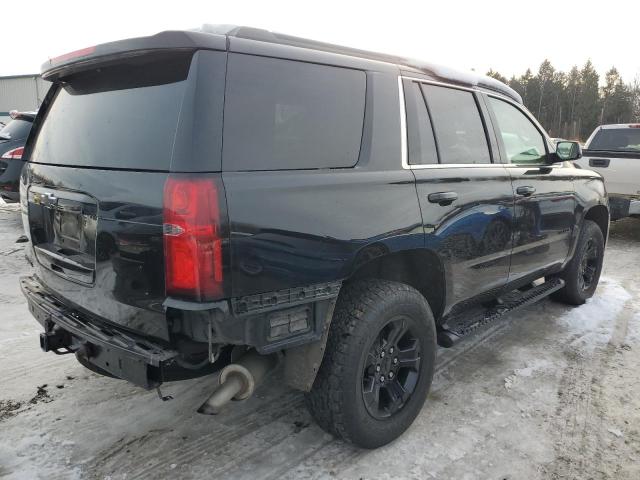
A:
(457, 124)
(421, 144)
(283, 115)
(522, 141)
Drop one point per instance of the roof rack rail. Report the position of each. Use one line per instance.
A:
(431, 69)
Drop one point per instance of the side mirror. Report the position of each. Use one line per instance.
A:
(567, 151)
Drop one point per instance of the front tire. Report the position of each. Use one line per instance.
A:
(582, 273)
(378, 365)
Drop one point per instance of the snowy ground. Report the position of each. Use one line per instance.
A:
(550, 392)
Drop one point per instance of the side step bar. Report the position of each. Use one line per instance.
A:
(466, 322)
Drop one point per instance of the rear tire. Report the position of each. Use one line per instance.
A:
(379, 328)
(582, 273)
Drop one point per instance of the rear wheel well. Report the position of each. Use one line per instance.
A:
(421, 269)
(600, 215)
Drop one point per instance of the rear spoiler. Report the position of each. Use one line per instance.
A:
(82, 59)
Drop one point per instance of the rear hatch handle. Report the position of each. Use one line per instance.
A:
(599, 162)
(64, 265)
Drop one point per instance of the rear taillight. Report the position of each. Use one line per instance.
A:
(193, 237)
(15, 154)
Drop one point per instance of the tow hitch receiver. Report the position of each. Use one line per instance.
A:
(55, 339)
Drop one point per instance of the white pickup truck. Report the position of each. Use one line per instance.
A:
(614, 152)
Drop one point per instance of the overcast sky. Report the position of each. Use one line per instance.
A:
(508, 36)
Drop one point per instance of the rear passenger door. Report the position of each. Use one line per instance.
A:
(545, 202)
(466, 198)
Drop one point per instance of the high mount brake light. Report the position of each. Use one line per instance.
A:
(192, 238)
(15, 154)
(83, 52)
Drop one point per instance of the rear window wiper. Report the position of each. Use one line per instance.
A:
(5, 136)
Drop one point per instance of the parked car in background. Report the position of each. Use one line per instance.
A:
(12, 139)
(614, 152)
(338, 210)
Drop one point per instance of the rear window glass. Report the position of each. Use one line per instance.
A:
(617, 139)
(282, 114)
(120, 116)
(16, 129)
(458, 126)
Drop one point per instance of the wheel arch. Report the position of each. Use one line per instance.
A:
(600, 215)
(421, 269)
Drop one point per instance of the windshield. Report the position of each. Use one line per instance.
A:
(617, 139)
(16, 129)
(118, 116)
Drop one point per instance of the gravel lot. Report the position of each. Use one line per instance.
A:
(549, 392)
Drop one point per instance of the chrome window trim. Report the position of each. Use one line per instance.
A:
(404, 153)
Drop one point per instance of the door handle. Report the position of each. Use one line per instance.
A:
(525, 191)
(599, 162)
(443, 198)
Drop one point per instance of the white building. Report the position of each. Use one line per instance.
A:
(21, 92)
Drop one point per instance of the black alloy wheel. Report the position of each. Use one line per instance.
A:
(392, 369)
(582, 274)
(588, 265)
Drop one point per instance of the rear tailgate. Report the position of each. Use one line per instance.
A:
(107, 140)
(621, 170)
(614, 152)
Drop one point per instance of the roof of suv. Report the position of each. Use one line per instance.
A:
(217, 36)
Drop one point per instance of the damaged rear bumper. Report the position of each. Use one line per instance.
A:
(121, 354)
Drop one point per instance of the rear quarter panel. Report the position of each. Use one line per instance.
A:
(294, 228)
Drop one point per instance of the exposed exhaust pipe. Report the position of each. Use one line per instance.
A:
(238, 380)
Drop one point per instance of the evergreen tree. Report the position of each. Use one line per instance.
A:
(588, 105)
(571, 105)
(573, 86)
(493, 74)
(634, 89)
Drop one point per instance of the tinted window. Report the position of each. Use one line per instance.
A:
(522, 140)
(281, 114)
(123, 116)
(422, 146)
(458, 126)
(16, 129)
(620, 139)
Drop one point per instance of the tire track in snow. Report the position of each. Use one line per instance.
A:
(583, 436)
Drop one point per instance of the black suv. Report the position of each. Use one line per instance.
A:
(12, 139)
(224, 200)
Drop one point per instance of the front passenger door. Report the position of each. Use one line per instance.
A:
(544, 193)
